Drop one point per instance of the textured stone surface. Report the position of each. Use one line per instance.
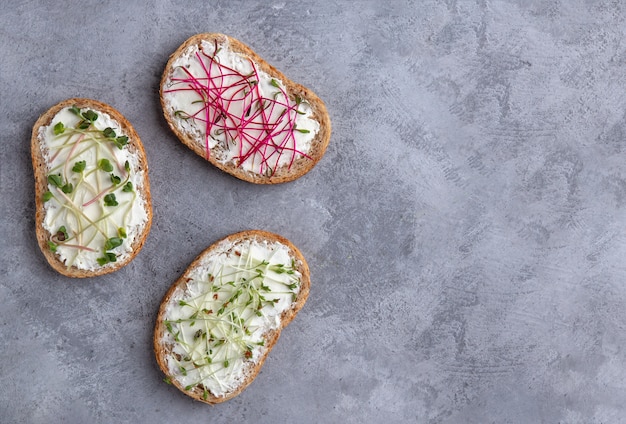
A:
(466, 230)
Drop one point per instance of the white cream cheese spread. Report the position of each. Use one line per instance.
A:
(92, 208)
(236, 111)
(217, 322)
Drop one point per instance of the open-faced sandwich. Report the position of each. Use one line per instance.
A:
(220, 319)
(92, 194)
(240, 113)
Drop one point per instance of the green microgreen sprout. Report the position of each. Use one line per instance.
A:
(110, 200)
(128, 187)
(112, 243)
(59, 128)
(108, 132)
(115, 179)
(107, 258)
(90, 115)
(47, 196)
(121, 141)
(55, 180)
(105, 165)
(52, 246)
(67, 188)
(79, 166)
(121, 232)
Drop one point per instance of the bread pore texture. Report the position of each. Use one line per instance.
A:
(220, 319)
(92, 193)
(237, 111)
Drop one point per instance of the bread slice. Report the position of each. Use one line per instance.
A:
(220, 319)
(240, 113)
(92, 193)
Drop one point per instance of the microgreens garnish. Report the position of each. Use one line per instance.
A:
(235, 111)
(108, 132)
(90, 115)
(59, 128)
(105, 165)
(121, 141)
(112, 243)
(220, 327)
(110, 200)
(55, 180)
(85, 170)
(79, 166)
(67, 188)
(107, 258)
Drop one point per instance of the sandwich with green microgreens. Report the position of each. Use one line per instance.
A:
(219, 321)
(92, 193)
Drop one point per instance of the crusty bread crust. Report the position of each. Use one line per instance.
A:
(162, 349)
(41, 186)
(283, 174)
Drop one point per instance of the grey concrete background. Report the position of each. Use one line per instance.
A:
(466, 230)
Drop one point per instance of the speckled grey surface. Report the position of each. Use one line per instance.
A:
(466, 230)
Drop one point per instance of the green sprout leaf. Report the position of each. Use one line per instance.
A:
(275, 83)
(105, 165)
(55, 180)
(127, 166)
(83, 125)
(67, 188)
(47, 196)
(128, 187)
(90, 115)
(226, 363)
(121, 141)
(75, 110)
(59, 128)
(79, 166)
(108, 132)
(110, 200)
(112, 243)
(107, 258)
(115, 179)
(52, 246)
(302, 131)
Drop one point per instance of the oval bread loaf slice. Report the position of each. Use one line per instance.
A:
(92, 193)
(220, 319)
(240, 113)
